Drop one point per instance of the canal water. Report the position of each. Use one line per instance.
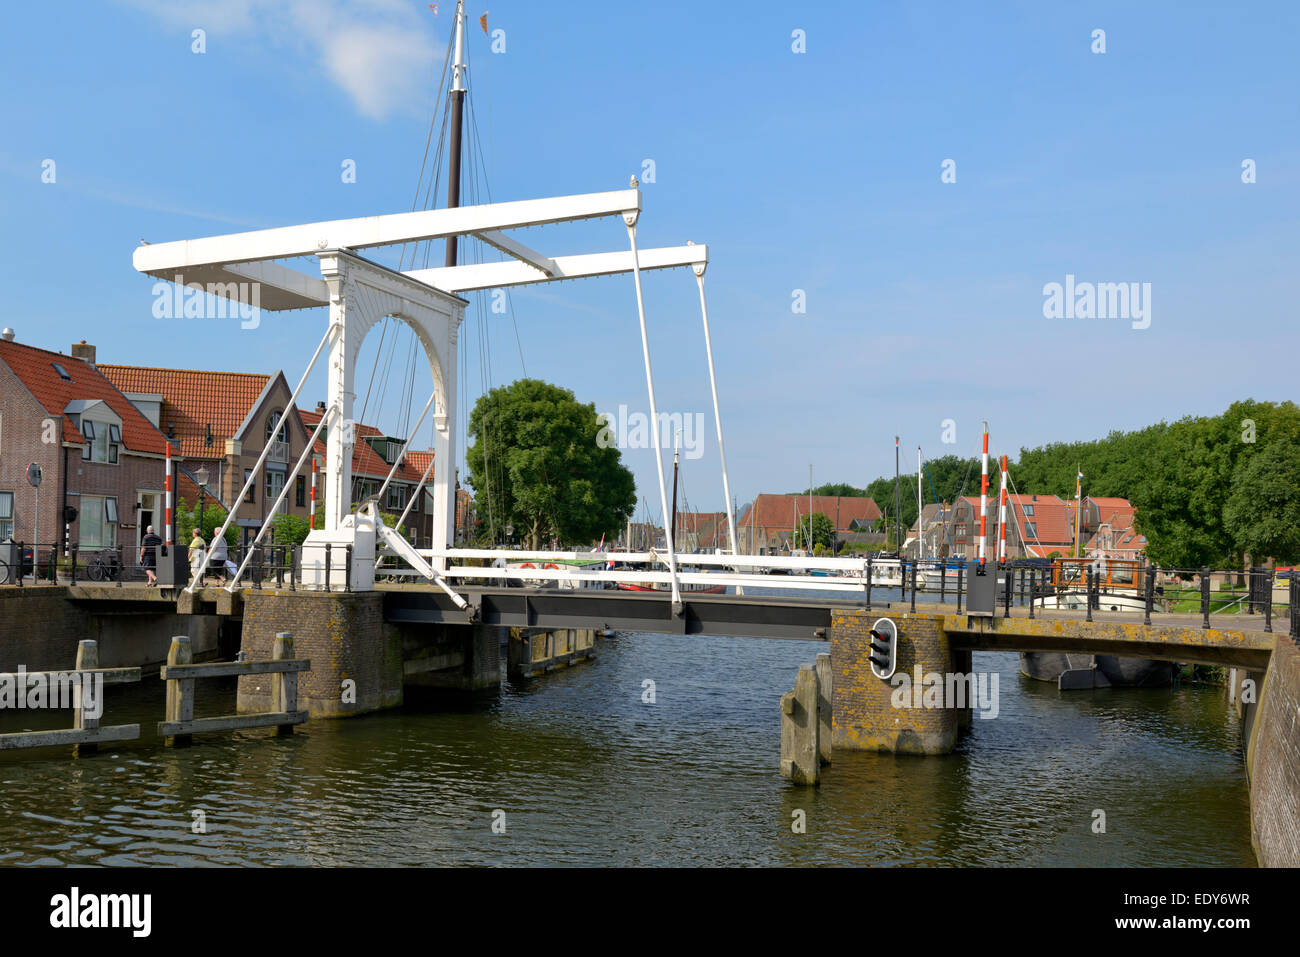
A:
(580, 768)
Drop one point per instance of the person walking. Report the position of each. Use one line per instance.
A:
(149, 555)
(197, 548)
(219, 558)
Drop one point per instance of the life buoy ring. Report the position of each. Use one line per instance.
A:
(527, 565)
(549, 565)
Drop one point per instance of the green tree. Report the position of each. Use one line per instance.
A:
(1263, 512)
(213, 517)
(541, 461)
(822, 533)
(289, 529)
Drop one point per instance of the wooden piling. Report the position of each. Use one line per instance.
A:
(87, 660)
(180, 692)
(824, 712)
(800, 749)
(284, 684)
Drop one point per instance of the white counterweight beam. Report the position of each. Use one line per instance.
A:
(496, 275)
(310, 238)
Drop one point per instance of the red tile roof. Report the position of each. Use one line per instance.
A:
(1053, 517)
(778, 511)
(709, 528)
(193, 400)
(420, 461)
(366, 462)
(34, 367)
(1110, 503)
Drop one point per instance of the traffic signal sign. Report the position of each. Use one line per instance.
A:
(884, 648)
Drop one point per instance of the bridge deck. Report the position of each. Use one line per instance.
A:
(1236, 640)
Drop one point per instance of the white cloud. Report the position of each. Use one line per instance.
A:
(381, 53)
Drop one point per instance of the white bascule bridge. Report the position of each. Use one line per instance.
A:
(360, 293)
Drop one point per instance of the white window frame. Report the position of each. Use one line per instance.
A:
(95, 516)
(7, 523)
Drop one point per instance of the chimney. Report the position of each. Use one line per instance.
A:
(84, 352)
(7, 335)
(320, 408)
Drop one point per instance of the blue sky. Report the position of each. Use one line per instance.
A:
(817, 171)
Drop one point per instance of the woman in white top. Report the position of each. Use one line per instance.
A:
(196, 554)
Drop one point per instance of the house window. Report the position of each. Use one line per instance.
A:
(300, 492)
(277, 437)
(97, 522)
(396, 496)
(272, 421)
(961, 529)
(1028, 510)
(274, 483)
(6, 515)
(1031, 529)
(102, 441)
(252, 486)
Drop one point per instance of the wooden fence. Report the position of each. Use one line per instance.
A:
(86, 733)
(180, 675)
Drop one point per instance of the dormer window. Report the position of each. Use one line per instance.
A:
(103, 440)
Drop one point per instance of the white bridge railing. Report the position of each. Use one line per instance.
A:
(840, 574)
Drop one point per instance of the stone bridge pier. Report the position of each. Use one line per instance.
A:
(865, 717)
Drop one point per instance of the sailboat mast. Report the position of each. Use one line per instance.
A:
(919, 537)
(898, 510)
(457, 122)
(1078, 507)
(674, 520)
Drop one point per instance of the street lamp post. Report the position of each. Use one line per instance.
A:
(201, 477)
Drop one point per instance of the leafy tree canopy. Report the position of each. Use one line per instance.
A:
(1203, 486)
(535, 463)
(822, 533)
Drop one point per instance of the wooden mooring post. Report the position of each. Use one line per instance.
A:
(180, 675)
(87, 732)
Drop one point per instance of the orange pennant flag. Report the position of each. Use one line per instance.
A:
(482, 21)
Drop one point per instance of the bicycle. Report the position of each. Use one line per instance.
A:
(100, 570)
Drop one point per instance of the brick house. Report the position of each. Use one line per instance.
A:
(1113, 533)
(767, 525)
(1037, 526)
(702, 531)
(373, 456)
(222, 421)
(98, 452)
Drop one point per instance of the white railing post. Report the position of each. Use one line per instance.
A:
(252, 476)
(302, 460)
(717, 415)
(630, 219)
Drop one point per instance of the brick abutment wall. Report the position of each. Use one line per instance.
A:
(40, 627)
(864, 715)
(1273, 761)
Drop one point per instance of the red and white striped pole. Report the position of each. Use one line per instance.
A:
(984, 492)
(167, 497)
(311, 522)
(1002, 516)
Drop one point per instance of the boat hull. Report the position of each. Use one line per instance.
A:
(1119, 672)
(685, 589)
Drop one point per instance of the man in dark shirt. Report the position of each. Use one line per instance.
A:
(148, 554)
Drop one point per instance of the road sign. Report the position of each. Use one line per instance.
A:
(34, 475)
(884, 648)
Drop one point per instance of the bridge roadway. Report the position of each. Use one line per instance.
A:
(1232, 640)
